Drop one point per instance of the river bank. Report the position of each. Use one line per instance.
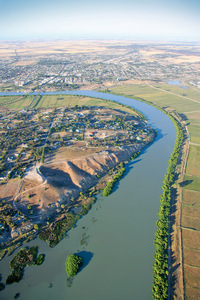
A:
(123, 221)
(46, 190)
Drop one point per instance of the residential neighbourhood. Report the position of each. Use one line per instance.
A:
(30, 132)
(34, 136)
(61, 70)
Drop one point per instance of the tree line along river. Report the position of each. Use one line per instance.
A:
(115, 238)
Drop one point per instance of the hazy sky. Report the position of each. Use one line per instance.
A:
(142, 19)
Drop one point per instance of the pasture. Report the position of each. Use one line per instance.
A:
(15, 102)
(193, 163)
(48, 101)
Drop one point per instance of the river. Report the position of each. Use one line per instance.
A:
(115, 237)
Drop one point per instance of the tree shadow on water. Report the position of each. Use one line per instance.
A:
(160, 134)
(129, 167)
(86, 256)
(131, 164)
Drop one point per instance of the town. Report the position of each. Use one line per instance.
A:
(24, 68)
(25, 134)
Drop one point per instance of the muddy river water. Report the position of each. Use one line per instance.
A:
(115, 238)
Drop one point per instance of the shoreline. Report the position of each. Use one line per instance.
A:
(176, 248)
(86, 205)
(154, 144)
(123, 154)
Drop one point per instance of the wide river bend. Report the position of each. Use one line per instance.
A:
(115, 237)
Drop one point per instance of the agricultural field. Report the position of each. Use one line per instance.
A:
(186, 102)
(193, 164)
(194, 130)
(163, 98)
(52, 101)
(191, 183)
(16, 102)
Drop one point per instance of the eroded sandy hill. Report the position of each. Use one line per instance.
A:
(46, 187)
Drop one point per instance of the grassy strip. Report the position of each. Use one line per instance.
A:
(191, 183)
(12, 101)
(38, 100)
(124, 105)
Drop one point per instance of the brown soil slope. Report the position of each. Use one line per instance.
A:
(45, 187)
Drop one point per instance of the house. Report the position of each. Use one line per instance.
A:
(10, 158)
(14, 233)
(26, 227)
(24, 145)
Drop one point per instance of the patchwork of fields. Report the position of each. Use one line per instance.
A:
(187, 103)
(51, 101)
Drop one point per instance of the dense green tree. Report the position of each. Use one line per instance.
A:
(73, 264)
(160, 266)
(110, 185)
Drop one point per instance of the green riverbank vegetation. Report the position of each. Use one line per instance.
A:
(73, 264)
(88, 206)
(121, 170)
(110, 185)
(160, 266)
(40, 259)
(57, 230)
(54, 234)
(25, 257)
(69, 121)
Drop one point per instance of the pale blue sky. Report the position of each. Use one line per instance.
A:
(143, 19)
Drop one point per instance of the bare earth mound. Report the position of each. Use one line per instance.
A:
(45, 187)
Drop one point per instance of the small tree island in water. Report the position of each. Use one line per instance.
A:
(73, 264)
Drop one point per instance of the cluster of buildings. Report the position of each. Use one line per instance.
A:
(60, 71)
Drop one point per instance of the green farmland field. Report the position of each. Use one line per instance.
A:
(193, 164)
(194, 133)
(16, 102)
(48, 101)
